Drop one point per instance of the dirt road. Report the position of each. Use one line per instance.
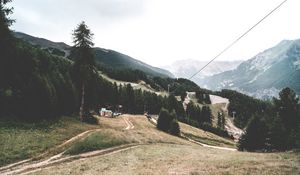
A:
(30, 166)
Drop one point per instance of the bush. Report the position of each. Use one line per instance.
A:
(164, 120)
(167, 122)
(90, 119)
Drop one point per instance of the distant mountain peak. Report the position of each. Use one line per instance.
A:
(267, 72)
(187, 67)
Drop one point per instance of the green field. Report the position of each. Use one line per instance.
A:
(21, 140)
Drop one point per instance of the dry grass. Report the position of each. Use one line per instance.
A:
(204, 136)
(161, 153)
(141, 86)
(181, 159)
(144, 132)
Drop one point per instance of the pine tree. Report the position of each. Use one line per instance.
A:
(287, 107)
(5, 22)
(255, 137)
(206, 113)
(6, 45)
(164, 119)
(277, 135)
(84, 65)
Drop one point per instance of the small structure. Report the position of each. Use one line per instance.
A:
(106, 113)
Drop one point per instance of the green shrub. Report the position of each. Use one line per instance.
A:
(167, 122)
(164, 120)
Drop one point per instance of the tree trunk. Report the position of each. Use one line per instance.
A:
(81, 110)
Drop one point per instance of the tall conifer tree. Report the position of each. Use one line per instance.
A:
(84, 65)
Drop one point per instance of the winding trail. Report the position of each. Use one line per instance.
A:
(209, 146)
(196, 142)
(60, 158)
(29, 165)
(69, 141)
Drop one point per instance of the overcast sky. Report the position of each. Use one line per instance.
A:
(159, 32)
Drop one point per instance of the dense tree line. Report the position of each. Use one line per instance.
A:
(39, 85)
(202, 118)
(35, 84)
(242, 107)
(203, 96)
(128, 75)
(277, 128)
(177, 87)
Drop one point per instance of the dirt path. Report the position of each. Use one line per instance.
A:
(29, 165)
(60, 158)
(69, 141)
(128, 123)
(209, 146)
(196, 142)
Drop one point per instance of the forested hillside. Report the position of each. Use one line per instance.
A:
(39, 85)
(106, 58)
(268, 125)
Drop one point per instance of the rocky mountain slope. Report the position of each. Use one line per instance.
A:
(265, 74)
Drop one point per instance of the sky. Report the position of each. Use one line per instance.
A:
(159, 32)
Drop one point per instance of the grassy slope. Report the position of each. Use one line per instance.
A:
(181, 159)
(161, 153)
(205, 137)
(95, 141)
(142, 86)
(21, 141)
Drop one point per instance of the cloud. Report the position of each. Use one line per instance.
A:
(162, 31)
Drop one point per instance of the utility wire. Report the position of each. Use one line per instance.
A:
(239, 38)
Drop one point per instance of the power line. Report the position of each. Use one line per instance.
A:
(239, 38)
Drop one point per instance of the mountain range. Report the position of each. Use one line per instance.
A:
(265, 74)
(187, 67)
(262, 76)
(105, 57)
